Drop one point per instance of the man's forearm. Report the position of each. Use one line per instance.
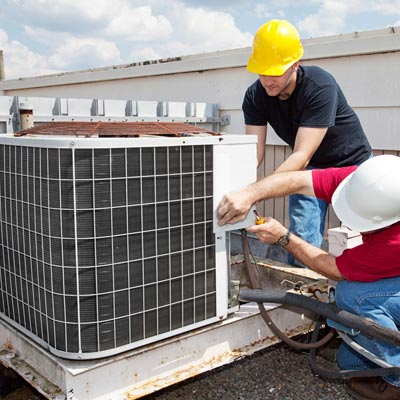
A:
(307, 142)
(295, 162)
(261, 132)
(282, 184)
(316, 259)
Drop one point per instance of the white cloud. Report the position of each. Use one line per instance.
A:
(53, 13)
(70, 53)
(20, 61)
(195, 30)
(380, 6)
(329, 20)
(212, 30)
(80, 53)
(198, 30)
(144, 54)
(267, 12)
(172, 29)
(139, 25)
(3, 37)
(281, 8)
(47, 37)
(332, 16)
(114, 18)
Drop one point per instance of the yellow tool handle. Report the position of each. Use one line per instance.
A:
(259, 219)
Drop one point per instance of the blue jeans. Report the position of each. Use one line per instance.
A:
(379, 301)
(307, 220)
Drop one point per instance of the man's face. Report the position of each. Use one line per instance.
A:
(281, 86)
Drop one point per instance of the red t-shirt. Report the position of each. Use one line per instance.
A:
(379, 255)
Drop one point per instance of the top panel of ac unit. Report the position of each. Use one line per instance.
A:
(116, 129)
(117, 134)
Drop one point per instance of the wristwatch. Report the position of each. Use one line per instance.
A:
(284, 240)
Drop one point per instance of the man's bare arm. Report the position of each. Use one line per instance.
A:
(307, 142)
(235, 206)
(316, 259)
(261, 132)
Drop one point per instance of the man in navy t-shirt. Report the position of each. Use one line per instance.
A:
(307, 109)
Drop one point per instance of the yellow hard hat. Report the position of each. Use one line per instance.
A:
(276, 47)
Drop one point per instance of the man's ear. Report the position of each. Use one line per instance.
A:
(296, 66)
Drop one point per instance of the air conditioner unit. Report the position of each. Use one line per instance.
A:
(108, 244)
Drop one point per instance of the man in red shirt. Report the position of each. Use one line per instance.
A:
(367, 200)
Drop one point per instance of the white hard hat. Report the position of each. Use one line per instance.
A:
(369, 198)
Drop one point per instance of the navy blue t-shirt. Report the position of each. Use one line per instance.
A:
(316, 102)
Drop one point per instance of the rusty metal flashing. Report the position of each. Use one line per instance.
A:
(117, 129)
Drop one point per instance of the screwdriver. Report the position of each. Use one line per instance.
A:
(259, 219)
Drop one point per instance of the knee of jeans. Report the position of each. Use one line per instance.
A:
(340, 294)
(349, 359)
(347, 296)
(342, 357)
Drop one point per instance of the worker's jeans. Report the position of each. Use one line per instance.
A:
(379, 301)
(307, 220)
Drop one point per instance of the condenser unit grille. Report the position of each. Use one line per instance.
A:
(103, 248)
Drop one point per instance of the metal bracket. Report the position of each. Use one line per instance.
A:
(234, 295)
(225, 120)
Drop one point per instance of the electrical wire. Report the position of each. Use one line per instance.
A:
(323, 309)
(251, 271)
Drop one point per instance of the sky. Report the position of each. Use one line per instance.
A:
(40, 37)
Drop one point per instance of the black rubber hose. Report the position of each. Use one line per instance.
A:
(251, 271)
(330, 374)
(343, 317)
(366, 326)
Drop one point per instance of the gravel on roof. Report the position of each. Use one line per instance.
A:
(277, 373)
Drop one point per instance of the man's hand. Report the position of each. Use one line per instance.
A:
(234, 207)
(315, 258)
(268, 232)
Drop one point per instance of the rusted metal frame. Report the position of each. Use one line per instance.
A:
(116, 129)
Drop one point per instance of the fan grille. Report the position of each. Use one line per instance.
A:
(103, 248)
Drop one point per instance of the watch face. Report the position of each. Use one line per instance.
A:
(284, 240)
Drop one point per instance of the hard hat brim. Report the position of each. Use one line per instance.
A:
(255, 68)
(349, 217)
